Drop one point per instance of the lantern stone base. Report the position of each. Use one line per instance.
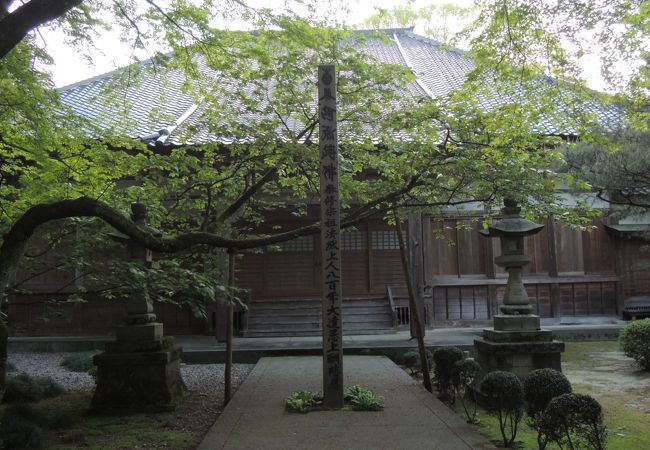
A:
(138, 377)
(518, 352)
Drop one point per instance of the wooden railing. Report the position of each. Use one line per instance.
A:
(391, 305)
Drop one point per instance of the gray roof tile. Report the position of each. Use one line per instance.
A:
(157, 99)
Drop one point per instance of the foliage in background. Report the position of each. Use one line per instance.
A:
(464, 381)
(444, 359)
(540, 387)
(411, 360)
(18, 428)
(635, 342)
(617, 170)
(504, 397)
(23, 388)
(79, 362)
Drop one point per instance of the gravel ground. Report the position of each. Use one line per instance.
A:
(195, 415)
(201, 378)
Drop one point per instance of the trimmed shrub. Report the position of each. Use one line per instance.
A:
(412, 360)
(635, 342)
(17, 432)
(23, 388)
(463, 377)
(444, 359)
(503, 394)
(540, 387)
(575, 421)
(79, 362)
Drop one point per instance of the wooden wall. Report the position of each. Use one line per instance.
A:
(571, 273)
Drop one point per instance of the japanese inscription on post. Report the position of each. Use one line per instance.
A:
(330, 239)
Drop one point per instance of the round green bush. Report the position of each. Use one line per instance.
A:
(575, 418)
(503, 396)
(465, 372)
(635, 342)
(412, 360)
(502, 391)
(541, 386)
(444, 359)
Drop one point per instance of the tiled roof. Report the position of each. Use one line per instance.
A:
(156, 107)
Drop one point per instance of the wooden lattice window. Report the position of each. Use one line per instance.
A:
(386, 240)
(354, 240)
(300, 244)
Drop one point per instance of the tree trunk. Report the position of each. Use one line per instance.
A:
(15, 25)
(415, 313)
(229, 318)
(4, 337)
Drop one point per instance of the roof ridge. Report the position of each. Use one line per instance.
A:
(386, 30)
(148, 61)
(142, 64)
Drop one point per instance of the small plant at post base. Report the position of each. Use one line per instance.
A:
(504, 398)
(444, 359)
(575, 421)
(363, 399)
(635, 342)
(301, 401)
(412, 361)
(464, 375)
(540, 387)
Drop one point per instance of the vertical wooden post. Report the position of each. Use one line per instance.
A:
(229, 326)
(553, 272)
(415, 313)
(330, 239)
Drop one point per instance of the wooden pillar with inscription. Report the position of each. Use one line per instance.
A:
(330, 240)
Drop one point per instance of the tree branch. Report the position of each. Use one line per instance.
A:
(247, 194)
(15, 26)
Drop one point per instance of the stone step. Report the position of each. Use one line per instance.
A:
(302, 316)
(316, 324)
(317, 332)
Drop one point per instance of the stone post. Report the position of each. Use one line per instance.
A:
(330, 240)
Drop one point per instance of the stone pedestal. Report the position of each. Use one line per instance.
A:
(140, 371)
(138, 376)
(517, 344)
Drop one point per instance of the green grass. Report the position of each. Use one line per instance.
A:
(95, 432)
(580, 352)
(626, 411)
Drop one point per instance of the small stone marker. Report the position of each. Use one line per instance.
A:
(330, 240)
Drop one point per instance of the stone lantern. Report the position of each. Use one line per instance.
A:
(516, 343)
(140, 370)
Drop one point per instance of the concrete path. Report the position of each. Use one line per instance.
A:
(412, 418)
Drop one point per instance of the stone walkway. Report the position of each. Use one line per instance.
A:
(412, 418)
